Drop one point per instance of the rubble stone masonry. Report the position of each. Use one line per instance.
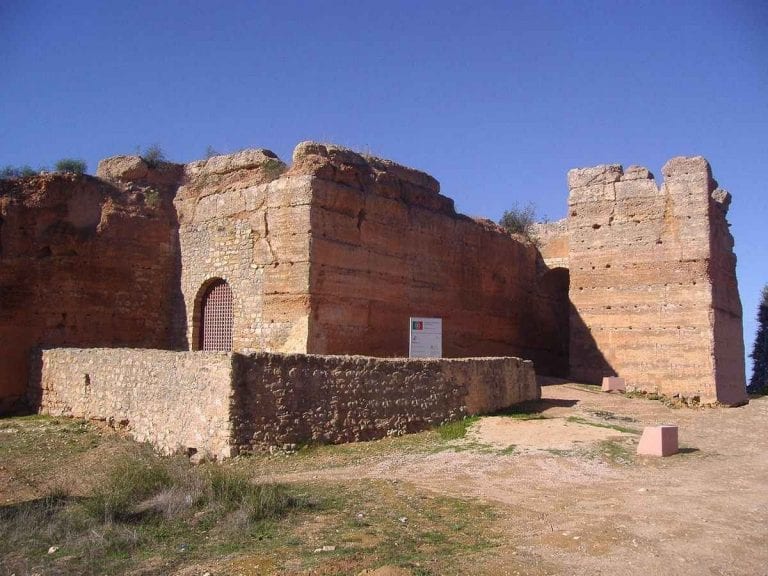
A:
(241, 219)
(223, 403)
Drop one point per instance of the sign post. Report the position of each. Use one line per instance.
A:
(426, 338)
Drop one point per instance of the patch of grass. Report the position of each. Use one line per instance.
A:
(457, 429)
(616, 452)
(234, 491)
(624, 429)
(524, 411)
(129, 482)
(145, 507)
(593, 388)
(606, 415)
(560, 452)
(375, 523)
(509, 449)
(127, 510)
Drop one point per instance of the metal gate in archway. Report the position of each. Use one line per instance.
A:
(216, 318)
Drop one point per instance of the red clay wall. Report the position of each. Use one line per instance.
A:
(82, 263)
(386, 245)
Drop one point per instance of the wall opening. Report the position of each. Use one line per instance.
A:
(214, 317)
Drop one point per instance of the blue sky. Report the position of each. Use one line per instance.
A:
(497, 100)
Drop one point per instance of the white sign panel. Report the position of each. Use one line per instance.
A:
(426, 338)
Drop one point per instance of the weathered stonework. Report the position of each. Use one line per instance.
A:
(242, 220)
(385, 245)
(653, 282)
(82, 263)
(220, 403)
(174, 400)
(333, 254)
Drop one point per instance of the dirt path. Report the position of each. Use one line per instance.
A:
(575, 500)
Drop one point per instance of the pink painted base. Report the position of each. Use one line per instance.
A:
(613, 384)
(658, 441)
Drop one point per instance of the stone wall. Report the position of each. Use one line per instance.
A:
(553, 240)
(219, 403)
(332, 399)
(386, 246)
(82, 263)
(243, 220)
(176, 401)
(652, 282)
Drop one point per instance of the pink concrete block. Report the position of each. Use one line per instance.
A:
(613, 384)
(658, 441)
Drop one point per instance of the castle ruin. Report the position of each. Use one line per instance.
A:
(332, 255)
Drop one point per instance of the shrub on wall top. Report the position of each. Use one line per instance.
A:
(71, 165)
(8, 172)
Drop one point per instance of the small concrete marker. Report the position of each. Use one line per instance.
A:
(658, 441)
(613, 384)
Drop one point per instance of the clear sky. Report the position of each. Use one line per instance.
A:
(497, 100)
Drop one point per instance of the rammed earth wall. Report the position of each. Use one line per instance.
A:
(224, 403)
(83, 262)
(653, 281)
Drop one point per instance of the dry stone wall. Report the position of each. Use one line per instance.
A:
(242, 220)
(220, 403)
(386, 246)
(652, 282)
(179, 402)
(82, 263)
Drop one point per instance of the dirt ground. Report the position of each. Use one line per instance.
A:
(573, 498)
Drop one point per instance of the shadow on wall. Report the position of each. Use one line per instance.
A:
(587, 362)
(177, 326)
(553, 315)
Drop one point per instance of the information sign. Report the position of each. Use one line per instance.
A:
(426, 338)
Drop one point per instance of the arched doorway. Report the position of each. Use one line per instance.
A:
(215, 317)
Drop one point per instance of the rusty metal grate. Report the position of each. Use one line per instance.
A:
(216, 325)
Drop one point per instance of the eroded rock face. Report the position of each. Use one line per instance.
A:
(82, 263)
(653, 283)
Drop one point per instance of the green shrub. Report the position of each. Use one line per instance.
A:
(233, 491)
(72, 165)
(154, 156)
(129, 483)
(519, 220)
(25, 171)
